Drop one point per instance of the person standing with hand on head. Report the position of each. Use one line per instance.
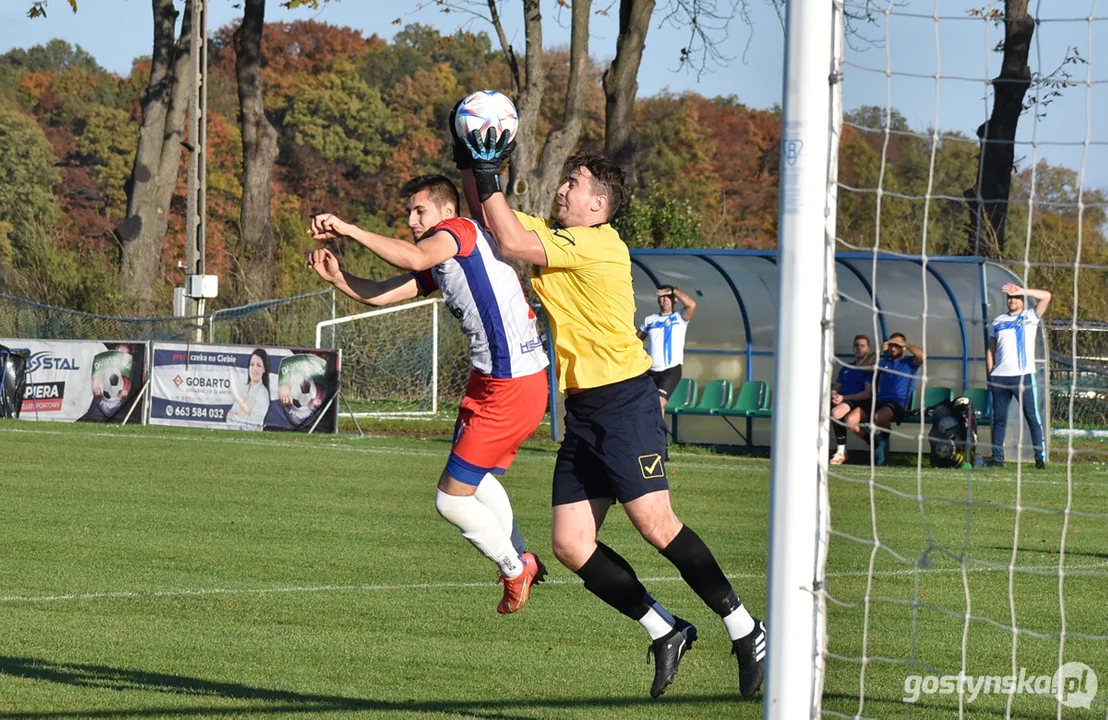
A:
(1010, 360)
(665, 336)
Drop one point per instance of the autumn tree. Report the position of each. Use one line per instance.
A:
(154, 172)
(988, 197)
(259, 153)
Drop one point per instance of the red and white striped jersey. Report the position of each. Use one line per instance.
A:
(485, 294)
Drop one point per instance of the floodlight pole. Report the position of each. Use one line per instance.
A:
(799, 512)
(196, 200)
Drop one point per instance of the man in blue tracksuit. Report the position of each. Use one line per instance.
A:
(1010, 361)
(895, 381)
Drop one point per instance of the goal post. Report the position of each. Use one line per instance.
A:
(397, 361)
(949, 559)
(806, 232)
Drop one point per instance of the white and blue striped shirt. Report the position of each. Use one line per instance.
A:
(665, 339)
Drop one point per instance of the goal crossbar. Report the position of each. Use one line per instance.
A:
(434, 352)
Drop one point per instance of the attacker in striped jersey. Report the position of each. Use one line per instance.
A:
(506, 397)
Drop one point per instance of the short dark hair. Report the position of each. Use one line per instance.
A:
(862, 337)
(441, 189)
(668, 287)
(894, 336)
(607, 178)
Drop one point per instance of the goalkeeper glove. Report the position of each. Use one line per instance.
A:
(488, 155)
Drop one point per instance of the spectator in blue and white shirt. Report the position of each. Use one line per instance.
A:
(665, 336)
(1010, 361)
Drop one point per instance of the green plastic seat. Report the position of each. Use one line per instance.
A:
(767, 406)
(751, 398)
(932, 397)
(717, 394)
(683, 395)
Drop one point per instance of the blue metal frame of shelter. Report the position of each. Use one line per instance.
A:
(640, 258)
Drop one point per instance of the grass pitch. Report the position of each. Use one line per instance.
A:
(149, 573)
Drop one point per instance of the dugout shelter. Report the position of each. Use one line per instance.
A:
(943, 304)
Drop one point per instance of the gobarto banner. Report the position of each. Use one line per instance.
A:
(240, 387)
(82, 380)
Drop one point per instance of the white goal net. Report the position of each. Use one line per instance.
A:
(959, 149)
(400, 361)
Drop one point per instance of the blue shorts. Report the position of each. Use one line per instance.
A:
(614, 446)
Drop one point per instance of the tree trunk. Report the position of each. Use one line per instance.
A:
(532, 184)
(259, 153)
(988, 202)
(621, 84)
(157, 159)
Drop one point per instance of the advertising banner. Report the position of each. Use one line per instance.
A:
(82, 380)
(241, 387)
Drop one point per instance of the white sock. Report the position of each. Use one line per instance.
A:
(840, 450)
(739, 623)
(492, 495)
(655, 623)
(479, 525)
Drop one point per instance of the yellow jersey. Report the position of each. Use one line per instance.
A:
(586, 292)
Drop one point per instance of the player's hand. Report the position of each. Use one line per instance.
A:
(489, 152)
(462, 158)
(328, 227)
(836, 398)
(1011, 289)
(325, 264)
(665, 292)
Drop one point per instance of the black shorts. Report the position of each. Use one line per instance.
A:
(666, 380)
(614, 446)
(864, 404)
(898, 410)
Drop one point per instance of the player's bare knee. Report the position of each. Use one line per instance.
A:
(653, 517)
(572, 552)
(660, 532)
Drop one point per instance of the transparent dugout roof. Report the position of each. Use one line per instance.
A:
(947, 300)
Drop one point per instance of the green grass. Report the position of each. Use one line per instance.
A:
(150, 572)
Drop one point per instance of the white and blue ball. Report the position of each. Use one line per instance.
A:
(486, 109)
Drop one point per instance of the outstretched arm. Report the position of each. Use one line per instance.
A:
(469, 190)
(1042, 296)
(364, 290)
(515, 241)
(399, 253)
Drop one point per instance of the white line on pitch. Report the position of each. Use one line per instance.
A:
(11, 599)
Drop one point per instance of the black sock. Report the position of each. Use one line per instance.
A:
(694, 561)
(609, 577)
(840, 432)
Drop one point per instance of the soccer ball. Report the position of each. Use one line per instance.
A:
(114, 386)
(486, 109)
(302, 392)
